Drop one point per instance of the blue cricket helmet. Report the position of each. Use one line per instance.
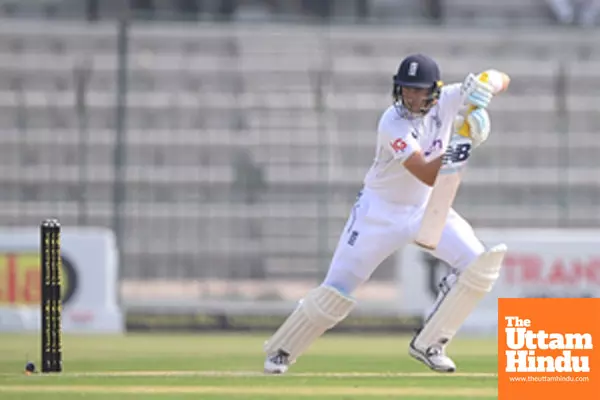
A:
(421, 72)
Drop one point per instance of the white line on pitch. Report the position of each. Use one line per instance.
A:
(291, 374)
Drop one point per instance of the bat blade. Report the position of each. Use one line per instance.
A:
(438, 207)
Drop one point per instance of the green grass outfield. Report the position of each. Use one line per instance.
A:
(229, 366)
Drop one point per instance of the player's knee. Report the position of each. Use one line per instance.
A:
(343, 281)
(468, 257)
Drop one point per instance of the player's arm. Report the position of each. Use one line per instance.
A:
(423, 170)
(427, 171)
(406, 150)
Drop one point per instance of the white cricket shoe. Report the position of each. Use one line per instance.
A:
(434, 357)
(277, 363)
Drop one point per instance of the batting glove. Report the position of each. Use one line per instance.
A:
(458, 151)
(479, 125)
(477, 93)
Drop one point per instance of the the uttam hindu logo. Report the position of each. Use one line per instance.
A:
(524, 344)
(549, 348)
(20, 279)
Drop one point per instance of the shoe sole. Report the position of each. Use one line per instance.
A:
(269, 372)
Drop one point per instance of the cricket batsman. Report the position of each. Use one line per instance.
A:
(414, 134)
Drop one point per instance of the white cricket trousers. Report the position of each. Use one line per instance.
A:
(377, 228)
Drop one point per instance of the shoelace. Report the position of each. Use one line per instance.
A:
(434, 351)
(279, 359)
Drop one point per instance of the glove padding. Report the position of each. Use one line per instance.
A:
(479, 125)
(477, 93)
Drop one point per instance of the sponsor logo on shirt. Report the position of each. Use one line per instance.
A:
(398, 145)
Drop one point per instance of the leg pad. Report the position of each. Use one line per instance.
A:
(472, 285)
(321, 309)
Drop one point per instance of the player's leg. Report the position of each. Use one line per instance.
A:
(367, 239)
(458, 247)
(475, 270)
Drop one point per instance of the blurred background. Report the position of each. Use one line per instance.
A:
(219, 145)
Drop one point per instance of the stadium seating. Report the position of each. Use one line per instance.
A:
(456, 12)
(245, 146)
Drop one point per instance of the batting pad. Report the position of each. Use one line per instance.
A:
(321, 309)
(472, 285)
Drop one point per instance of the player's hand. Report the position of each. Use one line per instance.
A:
(477, 93)
(458, 151)
(479, 125)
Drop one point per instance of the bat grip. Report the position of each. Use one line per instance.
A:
(465, 129)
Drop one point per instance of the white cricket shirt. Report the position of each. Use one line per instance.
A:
(399, 135)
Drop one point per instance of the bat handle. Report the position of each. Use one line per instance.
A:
(465, 129)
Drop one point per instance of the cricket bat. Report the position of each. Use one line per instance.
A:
(449, 177)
